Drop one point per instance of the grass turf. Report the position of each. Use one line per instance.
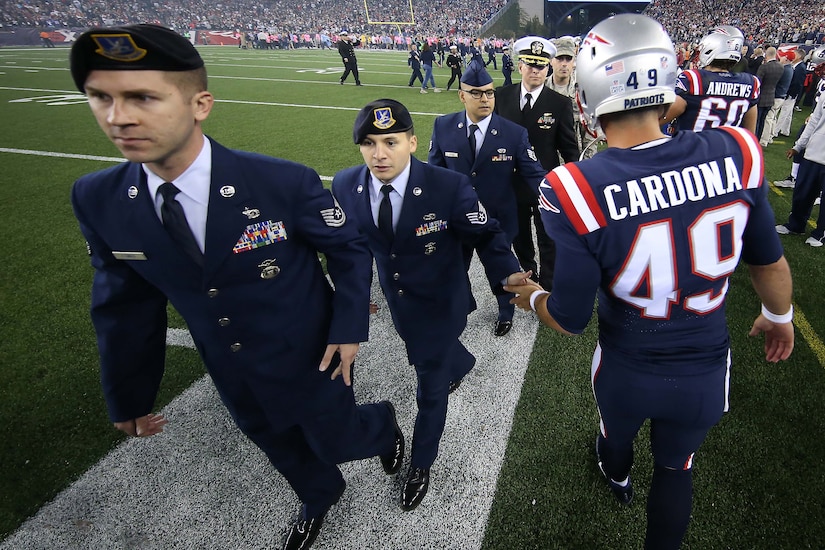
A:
(758, 478)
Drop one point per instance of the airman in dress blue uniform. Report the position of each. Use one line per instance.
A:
(231, 239)
(417, 217)
(489, 155)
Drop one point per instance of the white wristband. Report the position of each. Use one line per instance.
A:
(534, 295)
(774, 318)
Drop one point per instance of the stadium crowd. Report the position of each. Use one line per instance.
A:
(761, 22)
(432, 17)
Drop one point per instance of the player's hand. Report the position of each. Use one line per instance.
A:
(144, 426)
(522, 291)
(778, 338)
(518, 278)
(790, 153)
(347, 353)
(373, 308)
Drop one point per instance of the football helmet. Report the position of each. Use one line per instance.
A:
(625, 62)
(818, 61)
(724, 43)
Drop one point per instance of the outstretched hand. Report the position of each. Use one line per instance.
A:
(778, 338)
(522, 286)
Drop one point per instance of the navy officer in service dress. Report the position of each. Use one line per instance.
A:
(417, 217)
(231, 239)
(489, 149)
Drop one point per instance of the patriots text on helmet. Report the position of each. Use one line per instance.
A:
(671, 188)
(636, 102)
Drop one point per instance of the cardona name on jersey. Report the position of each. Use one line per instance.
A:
(672, 188)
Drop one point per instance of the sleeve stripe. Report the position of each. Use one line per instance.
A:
(753, 169)
(577, 199)
(695, 81)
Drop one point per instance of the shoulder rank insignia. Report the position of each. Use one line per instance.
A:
(334, 217)
(479, 217)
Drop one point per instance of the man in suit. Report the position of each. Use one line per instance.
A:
(769, 74)
(417, 217)
(488, 148)
(231, 239)
(794, 92)
(548, 117)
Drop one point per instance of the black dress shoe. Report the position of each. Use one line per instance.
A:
(454, 385)
(392, 462)
(303, 533)
(502, 327)
(415, 489)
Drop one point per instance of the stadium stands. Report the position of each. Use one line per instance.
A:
(686, 21)
(432, 17)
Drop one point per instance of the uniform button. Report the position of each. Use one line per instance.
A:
(396, 276)
(212, 292)
(235, 347)
(473, 174)
(392, 256)
(401, 292)
(224, 321)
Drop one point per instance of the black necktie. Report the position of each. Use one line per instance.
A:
(174, 220)
(385, 213)
(527, 100)
(472, 138)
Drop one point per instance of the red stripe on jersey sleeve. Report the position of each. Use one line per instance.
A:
(587, 193)
(565, 202)
(694, 82)
(749, 163)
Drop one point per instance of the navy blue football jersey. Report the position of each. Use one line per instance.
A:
(715, 99)
(657, 230)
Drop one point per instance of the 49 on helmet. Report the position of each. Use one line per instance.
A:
(724, 43)
(625, 62)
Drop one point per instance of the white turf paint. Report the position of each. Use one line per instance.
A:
(202, 484)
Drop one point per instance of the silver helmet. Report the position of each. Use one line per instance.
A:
(724, 43)
(818, 55)
(625, 62)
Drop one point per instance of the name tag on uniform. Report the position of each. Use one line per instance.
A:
(127, 255)
(450, 154)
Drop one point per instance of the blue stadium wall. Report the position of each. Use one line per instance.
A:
(576, 18)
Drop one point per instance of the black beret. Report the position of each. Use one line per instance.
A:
(141, 47)
(382, 116)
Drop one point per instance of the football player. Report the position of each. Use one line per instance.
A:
(711, 95)
(656, 225)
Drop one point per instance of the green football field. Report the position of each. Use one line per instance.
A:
(759, 479)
